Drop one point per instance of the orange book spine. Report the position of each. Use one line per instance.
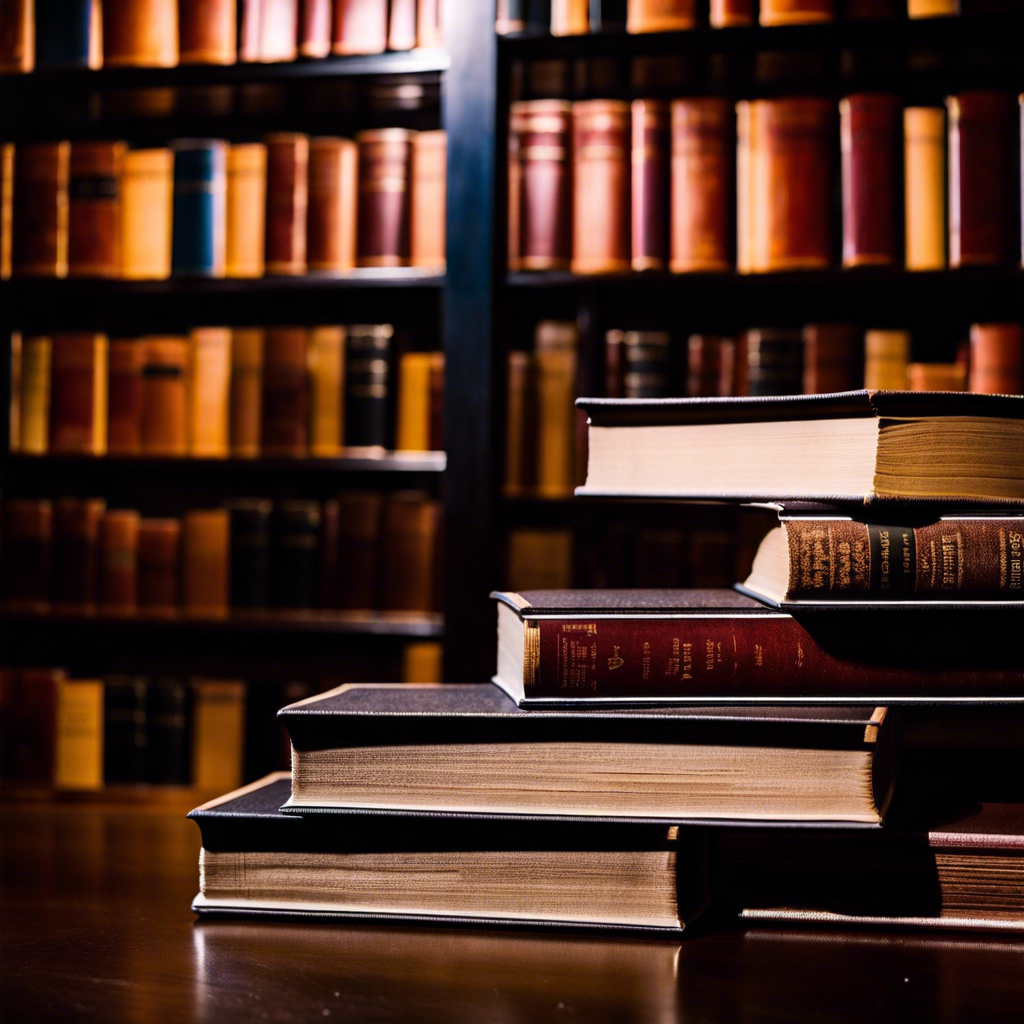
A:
(886, 357)
(159, 587)
(660, 15)
(429, 190)
(209, 389)
(932, 8)
(124, 420)
(94, 209)
(205, 546)
(383, 218)
(936, 377)
(140, 33)
(287, 201)
(6, 206)
(39, 220)
(315, 28)
(285, 406)
(997, 359)
(245, 235)
(17, 36)
(731, 13)
(331, 220)
(207, 31)
(650, 184)
(147, 196)
(163, 429)
(429, 33)
(119, 560)
(402, 24)
(411, 539)
(360, 26)
(831, 358)
(246, 391)
(570, 17)
(924, 190)
(78, 394)
(796, 12)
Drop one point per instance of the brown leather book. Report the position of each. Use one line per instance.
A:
(410, 554)
(285, 406)
(932, 8)
(124, 396)
(997, 359)
(359, 528)
(775, 362)
(119, 561)
(429, 33)
(205, 544)
(27, 532)
(209, 388)
(245, 235)
(886, 356)
(207, 31)
(78, 394)
(796, 12)
(703, 147)
(401, 24)
(555, 366)
(30, 407)
(924, 188)
(601, 180)
(246, 391)
(570, 17)
(147, 191)
(731, 13)
(983, 188)
(94, 209)
(287, 202)
(384, 195)
(833, 357)
(331, 220)
(6, 206)
(744, 187)
(326, 390)
(17, 36)
(76, 531)
(521, 424)
(936, 377)
(546, 190)
(159, 589)
(39, 215)
(428, 208)
(650, 185)
(660, 15)
(360, 26)
(279, 31)
(638, 364)
(315, 28)
(871, 134)
(710, 366)
(164, 419)
(140, 33)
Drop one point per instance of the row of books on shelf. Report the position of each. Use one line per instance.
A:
(361, 551)
(44, 34)
(703, 184)
(244, 392)
(285, 206)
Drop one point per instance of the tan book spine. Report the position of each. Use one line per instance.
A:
(39, 218)
(932, 8)
(78, 394)
(744, 191)
(147, 197)
(218, 734)
(159, 591)
(427, 207)
(331, 219)
(326, 390)
(886, 357)
(520, 455)
(164, 421)
(429, 31)
(287, 201)
(6, 206)
(555, 359)
(140, 33)
(209, 388)
(246, 210)
(924, 163)
(570, 17)
(384, 197)
(246, 391)
(414, 400)
(94, 209)
(119, 556)
(79, 757)
(17, 36)
(660, 15)
(360, 26)
(401, 24)
(279, 31)
(207, 31)
(205, 547)
(796, 12)
(34, 428)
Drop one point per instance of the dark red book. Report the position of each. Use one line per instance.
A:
(27, 535)
(285, 406)
(28, 724)
(650, 183)
(94, 223)
(997, 359)
(710, 366)
(384, 212)
(124, 415)
(76, 527)
(359, 527)
(39, 217)
(315, 28)
(833, 358)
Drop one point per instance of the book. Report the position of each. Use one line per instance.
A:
(6, 206)
(428, 174)
(367, 400)
(28, 727)
(140, 33)
(642, 362)
(936, 377)
(315, 28)
(39, 217)
(886, 357)
(520, 424)
(607, 15)
(709, 366)
(932, 8)
(555, 360)
(250, 552)
(661, 15)
(401, 24)
(207, 31)
(924, 188)
(75, 549)
(796, 12)
(731, 13)
(163, 426)
(167, 721)
(246, 400)
(570, 17)
(607, 874)
(832, 358)
(359, 528)
(997, 359)
(147, 200)
(159, 587)
(218, 733)
(383, 216)
(250, 13)
(246, 210)
(78, 394)
(284, 407)
(67, 34)
(858, 446)
(125, 736)
(124, 396)
(205, 546)
(403, 747)
(423, 662)
(775, 361)
(209, 388)
(360, 26)
(514, 189)
(651, 146)
(78, 761)
(429, 30)
(538, 558)
(410, 553)
(331, 220)
(601, 186)
(33, 429)
(198, 220)
(27, 533)
(287, 202)
(278, 31)
(119, 561)
(326, 390)
(416, 429)
(327, 570)
(17, 36)
(295, 558)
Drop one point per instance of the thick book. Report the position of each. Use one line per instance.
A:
(428, 204)
(163, 425)
(384, 215)
(279, 31)
(218, 733)
(246, 401)
(250, 552)
(287, 202)
(661, 15)
(207, 31)
(125, 735)
(28, 728)
(27, 538)
(209, 389)
(284, 405)
(360, 515)
(295, 554)
(570, 17)
(997, 359)
(68, 34)
(147, 190)
(78, 394)
(360, 26)
(140, 33)
(710, 366)
(832, 358)
(315, 28)
(441, 869)
(205, 556)
(199, 218)
(159, 586)
(246, 212)
(17, 36)
(32, 407)
(924, 188)
(331, 215)
(855, 446)
(410, 554)
(886, 358)
(118, 561)
(775, 360)
(401, 24)
(326, 390)
(429, 27)
(367, 400)
(651, 148)
(75, 545)
(470, 749)
(167, 721)
(39, 214)
(124, 396)
(78, 761)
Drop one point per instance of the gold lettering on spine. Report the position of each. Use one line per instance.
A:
(1014, 539)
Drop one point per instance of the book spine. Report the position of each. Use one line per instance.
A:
(167, 760)
(250, 553)
(936, 377)
(326, 390)
(359, 527)
(983, 186)
(205, 544)
(428, 206)
(207, 31)
(28, 529)
(871, 136)
(78, 394)
(554, 377)
(647, 364)
(17, 36)
(279, 31)
(28, 727)
(608, 15)
(140, 33)
(367, 402)
(412, 431)
(331, 222)
(163, 423)
(932, 8)
(886, 356)
(64, 30)
(410, 540)
(360, 26)
(515, 188)
(245, 234)
(94, 228)
(14, 391)
(315, 28)
(429, 31)
(402, 24)
(78, 762)
(246, 400)
(661, 15)
(436, 422)
(744, 188)
(147, 200)
(119, 560)
(6, 207)
(295, 554)
(731, 13)
(997, 359)
(159, 590)
(328, 575)
(218, 733)
(796, 12)
(650, 184)
(601, 230)
(34, 411)
(570, 17)
(287, 202)
(209, 388)
(510, 17)
(284, 419)
(703, 144)
(200, 183)
(520, 424)
(124, 415)
(249, 15)
(76, 529)
(124, 731)
(709, 366)
(924, 161)
(383, 208)
(774, 363)
(832, 358)
(39, 217)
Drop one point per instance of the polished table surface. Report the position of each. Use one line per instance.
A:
(95, 925)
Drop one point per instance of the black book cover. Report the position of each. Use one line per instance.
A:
(167, 717)
(125, 736)
(607, 15)
(296, 554)
(250, 552)
(368, 387)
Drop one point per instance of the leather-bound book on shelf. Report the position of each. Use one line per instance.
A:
(284, 416)
(710, 369)
(359, 528)
(147, 200)
(360, 26)
(17, 36)
(326, 390)
(296, 550)
(871, 141)
(33, 428)
(410, 550)
(731, 13)
(164, 420)
(6, 206)
(159, 589)
(703, 145)
(924, 188)
(744, 187)
(416, 372)
(245, 229)
(125, 396)
(608, 15)
(327, 568)
(570, 17)
(661, 15)
(650, 185)
(198, 229)
(119, 561)
(124, 729)
(521, 424)
(936, 377)
(331, 217)
(555, 359)
(209, 388)
(315, 28)
(638, 364)
(983, 185)
(429, 32)
(27, 533)
(14, 391)
(427, 207)
(207, 31)
(385, 158)
(932, 8)
(287, 200)
(39, 214)
(218, 733)
(601, 187)
(140, 33)
(28, 726)
(250, 552)
(94, 209)
(249, 14)
(78, 394)
(775, 362)
(68, 34)
(246, 400)
(401, 24)
(833, 356)
(796, 12)
(515, 189)
(368, 386)
(997, 359)
(205, 545)
(886, 356)
(874, 10)
(279, 31)
(167, 732)
(78, 759)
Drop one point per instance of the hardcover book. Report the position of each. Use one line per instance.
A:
(661, 15)
(17, 36)
(246, 402)
(39, 216)
(428, 206)
(284, 407)
(360, 26)
(68, 34)
(119, 554)
(331, 217)
(287, 202)
(796, 12)
(163, 428)
(205, 545)
(245, 223)
(924, 170)
(731, 13)
(78, 394)
(401, 24)
(886, 358)
(124, 397)
(140, 33)
(315, 28)
(997, 359)
(651, 146)
(207, 31)
(199, 219)
(27, 537)
(359, 527)
(159, 589)
(147, 199)
(385, 157)
(250, 552)
(296, 550)
(76, 529)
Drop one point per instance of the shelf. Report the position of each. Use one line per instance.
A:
(142, 798)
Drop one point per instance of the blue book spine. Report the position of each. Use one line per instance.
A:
(64, 33)
(197, 241)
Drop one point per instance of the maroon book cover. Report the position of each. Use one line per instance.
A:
(710, 366)
(76, 527)
(833, 358)
(650, 185)
(124, 411)
(285, 407)
(28, 528)
(384, 211)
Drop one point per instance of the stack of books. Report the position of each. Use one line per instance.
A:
(644, 755)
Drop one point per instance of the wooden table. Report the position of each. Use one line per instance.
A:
(95, 925)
